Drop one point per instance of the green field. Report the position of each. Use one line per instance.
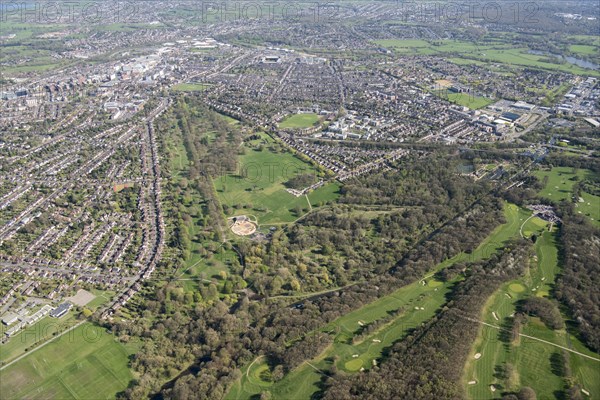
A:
(299, 121)
(43, 330)
(351, 354)
(190, 87)
(466, 100)
(85, 363)
(328, 192)
(584, 49)
(559, 187)
(532, 225)
(257, 188)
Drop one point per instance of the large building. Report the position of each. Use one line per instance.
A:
(61, 310)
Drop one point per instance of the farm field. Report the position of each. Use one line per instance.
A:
(531, 360)
(559, 186)
(299, 121)
(410, 306)
(84, 363)
(257, 188)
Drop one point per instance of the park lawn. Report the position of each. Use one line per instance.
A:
(327, 193)
(206, 270)
(299, 121)
(257, 188)
(85, 363)
(230, 120)
(190, 87)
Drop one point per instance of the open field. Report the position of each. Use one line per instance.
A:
(190, 87)
(43, 330)
(82, 364)
(466, 100)
(324, 194)
(584, 49)
(531, 359)
(299, 121)
(257, 188)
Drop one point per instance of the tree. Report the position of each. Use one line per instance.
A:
(526, 393)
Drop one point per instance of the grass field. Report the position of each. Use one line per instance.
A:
(324, 194)
(584, 49)
(43, 330)
(190, 87)
(257, 188)
(299, 121)
(559, 186)
(466, 100)
(413, 304)
(531, 359)
(86, 363)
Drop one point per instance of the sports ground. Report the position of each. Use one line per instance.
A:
(85, 363)
(299, 121)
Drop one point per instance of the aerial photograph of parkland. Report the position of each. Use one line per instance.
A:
(299, 199)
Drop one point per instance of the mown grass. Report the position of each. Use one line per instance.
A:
(258, 186)
(85, 363)
(531, 359)
(299, 121)
(190, 87)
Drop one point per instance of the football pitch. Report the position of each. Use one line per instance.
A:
(85, 363)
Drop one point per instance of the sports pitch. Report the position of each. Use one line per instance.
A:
(85, 363)
(299, 121)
